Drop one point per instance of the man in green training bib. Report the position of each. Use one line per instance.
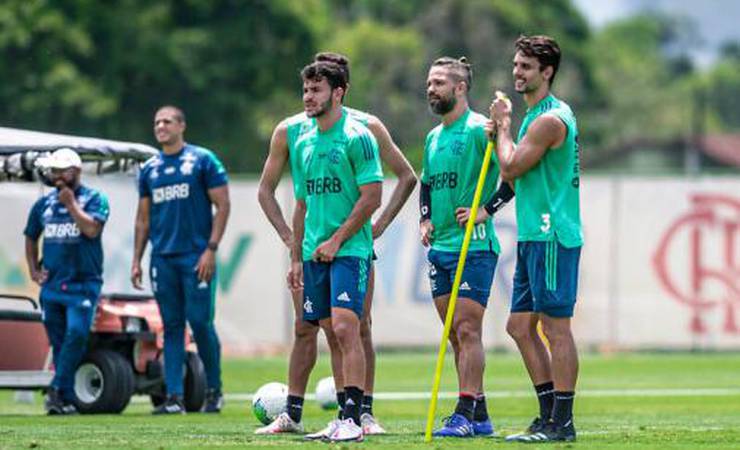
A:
(338, 185)
(544, 165)
(453, 155)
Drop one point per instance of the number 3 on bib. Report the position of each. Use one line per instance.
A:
(545, 223)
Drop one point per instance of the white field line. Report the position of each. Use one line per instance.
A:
(650, 392)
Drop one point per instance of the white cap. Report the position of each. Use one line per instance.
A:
(64, 158)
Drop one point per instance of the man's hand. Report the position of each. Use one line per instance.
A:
(500, 108)
(463, 214)
(136, 276)
(206, 265)
(426, 230)
(295, 276)
(327, 250)
(66, 196)
(40, 276)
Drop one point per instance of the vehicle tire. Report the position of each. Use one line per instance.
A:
(104, 383)
(195, 383)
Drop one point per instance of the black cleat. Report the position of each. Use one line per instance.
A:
(549, 433)
(214, 401)
(56, 406)
(173, 405)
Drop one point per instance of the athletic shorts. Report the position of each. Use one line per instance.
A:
(477, 276)
(341, 283)
(545, 279)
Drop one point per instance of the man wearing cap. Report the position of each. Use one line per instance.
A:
(71, 218)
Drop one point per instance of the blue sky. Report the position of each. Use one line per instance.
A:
(716, 20)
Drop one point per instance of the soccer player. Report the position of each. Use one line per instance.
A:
(544, 164)
(303, 354)
(177, 190)
(71, 219)
(453, 155)
(339, 186)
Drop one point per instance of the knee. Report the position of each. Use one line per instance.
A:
(76, 335)
(556, 332)
(304, 331)
(519, 330)
(199, 326)
(467, 331)
(344, 331)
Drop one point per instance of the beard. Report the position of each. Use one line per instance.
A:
(442, 105)
(323, 109)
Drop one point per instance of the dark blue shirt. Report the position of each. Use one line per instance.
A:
(181, 215)
(69, 256)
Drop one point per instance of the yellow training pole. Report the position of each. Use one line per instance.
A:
(455, 288)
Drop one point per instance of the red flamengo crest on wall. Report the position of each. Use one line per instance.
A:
(710, 232)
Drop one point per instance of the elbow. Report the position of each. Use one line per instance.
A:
(263, 195)
(509, 173)
(374, 201)
(409, 180)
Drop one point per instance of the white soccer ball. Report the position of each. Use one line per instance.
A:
(326, 393)
(269, 401)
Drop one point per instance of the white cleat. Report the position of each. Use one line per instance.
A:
(347, 430)
(324, 433)
(370, 425)
(282, 424)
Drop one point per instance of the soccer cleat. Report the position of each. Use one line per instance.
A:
(537, 425)
(483, 427)
(455, 426)
(214, 401)
(370, 425)
(324, 433)
(282, 424)
(173, 405)
(346, 430)
(55, 406)
(549, 433)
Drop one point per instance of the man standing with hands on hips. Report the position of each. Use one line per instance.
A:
(177, 190)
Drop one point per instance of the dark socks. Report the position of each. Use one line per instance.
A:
(353, 403)
(480, 412)
(295, 407)
(341, 398)
(465, 405)
(562, 411)
(367, 404)
(546, 397)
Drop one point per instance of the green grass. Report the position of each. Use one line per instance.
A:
(616, 421)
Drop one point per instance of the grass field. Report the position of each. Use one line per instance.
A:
(624, 401)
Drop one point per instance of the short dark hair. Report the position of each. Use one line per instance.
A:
(319, 70)
(544, 48)
(336, 58)
(179, 115)
(460, 69)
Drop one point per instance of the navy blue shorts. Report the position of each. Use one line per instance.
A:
(546, 278)
(477, 275)
(341, 283)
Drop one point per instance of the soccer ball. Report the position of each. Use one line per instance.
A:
(269, 401)
(326, 393)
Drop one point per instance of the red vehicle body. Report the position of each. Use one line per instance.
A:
(124, 354)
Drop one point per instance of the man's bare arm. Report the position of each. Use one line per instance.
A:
(219, 196)
(392, 155)
(545, 132)
(271, 172)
